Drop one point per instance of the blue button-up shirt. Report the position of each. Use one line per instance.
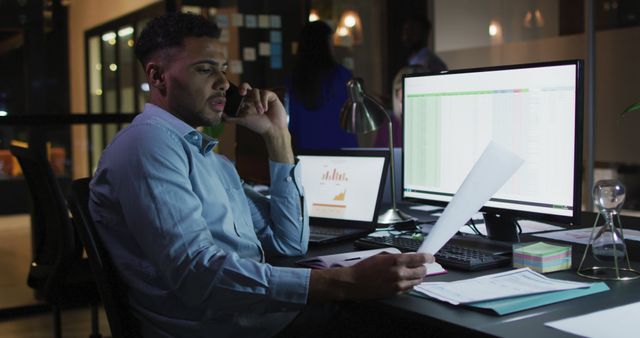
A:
(190, 241)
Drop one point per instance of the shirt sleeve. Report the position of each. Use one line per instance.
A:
(281, 221)
(148, 180)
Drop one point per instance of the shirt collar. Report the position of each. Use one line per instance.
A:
(203, 142)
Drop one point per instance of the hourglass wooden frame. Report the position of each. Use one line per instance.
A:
(603, 272)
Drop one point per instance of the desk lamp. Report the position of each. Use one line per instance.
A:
(361, 114)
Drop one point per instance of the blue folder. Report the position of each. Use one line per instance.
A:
(514, 304)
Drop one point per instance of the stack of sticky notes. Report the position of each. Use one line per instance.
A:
(542, 257)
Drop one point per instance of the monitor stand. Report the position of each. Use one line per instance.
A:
(502, 227)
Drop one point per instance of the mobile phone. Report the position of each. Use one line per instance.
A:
(234, 100)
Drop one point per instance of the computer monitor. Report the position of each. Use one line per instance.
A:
(533, 109)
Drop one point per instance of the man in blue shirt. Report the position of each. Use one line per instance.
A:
(187, 239)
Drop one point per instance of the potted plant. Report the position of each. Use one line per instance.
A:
(635, 106)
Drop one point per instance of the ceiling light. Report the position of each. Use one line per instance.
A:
(108, 36)
(313, 15)
(126, 31)
(350, 20)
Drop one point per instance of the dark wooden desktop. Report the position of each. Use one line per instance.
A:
(454, 320)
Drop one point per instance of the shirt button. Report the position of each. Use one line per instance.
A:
(288, 179)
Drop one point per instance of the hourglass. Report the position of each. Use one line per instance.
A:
(607, 241)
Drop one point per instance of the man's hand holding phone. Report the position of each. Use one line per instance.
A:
(234, 100)
(257, 109)
(262, 112)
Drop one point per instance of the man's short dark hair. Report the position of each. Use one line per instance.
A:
(170, 30)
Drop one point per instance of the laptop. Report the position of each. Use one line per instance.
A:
(343, 190)
(397, 158)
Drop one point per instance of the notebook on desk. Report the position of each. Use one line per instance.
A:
(342, 191)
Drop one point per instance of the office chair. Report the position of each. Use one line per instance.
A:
(111, 287)
(58, 273)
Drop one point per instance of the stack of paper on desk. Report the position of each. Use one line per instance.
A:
(513, 283)
(542, 257)
(508, 292)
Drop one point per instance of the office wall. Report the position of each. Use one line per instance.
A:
(83, 15)
(461, 24)
(617, 76)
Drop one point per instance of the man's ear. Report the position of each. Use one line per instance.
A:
(155, 75)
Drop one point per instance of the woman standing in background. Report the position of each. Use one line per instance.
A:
(382, 136)
(317, 90)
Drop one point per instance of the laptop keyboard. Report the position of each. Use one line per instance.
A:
(450, 256)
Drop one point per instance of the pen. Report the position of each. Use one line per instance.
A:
(352, 259)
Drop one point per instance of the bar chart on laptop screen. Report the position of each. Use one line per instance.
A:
(333, 201)
(453, 117)
(341, 187)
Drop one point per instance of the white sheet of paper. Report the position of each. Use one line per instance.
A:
(492, 170)
(351, 258)
(621, 321)
(527, 226)
(581, 236)
(425, 207)
(533, 226)
(507, 284)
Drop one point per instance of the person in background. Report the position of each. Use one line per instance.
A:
(415, 37)
(317, 90)
(187, 239)
(382, 136)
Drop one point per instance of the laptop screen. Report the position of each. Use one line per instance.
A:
(342, 187)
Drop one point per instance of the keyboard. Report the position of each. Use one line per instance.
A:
(452, 255)
(329, 231)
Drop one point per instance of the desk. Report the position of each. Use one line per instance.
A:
(529, 323)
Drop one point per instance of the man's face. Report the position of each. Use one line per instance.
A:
(196, 82)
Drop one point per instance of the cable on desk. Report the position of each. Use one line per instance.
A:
(473, 227)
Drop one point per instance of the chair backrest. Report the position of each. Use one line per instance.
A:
(55, 245)
(111, 288)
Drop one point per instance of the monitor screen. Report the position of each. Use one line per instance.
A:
(535, 110)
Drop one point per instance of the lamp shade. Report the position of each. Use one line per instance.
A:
(361, 114)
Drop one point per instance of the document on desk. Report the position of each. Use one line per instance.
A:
(527, 227)
(581, 236)
(514, 283)
(621, 321)
(492, 170)
(343, 259)
(351, 258)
